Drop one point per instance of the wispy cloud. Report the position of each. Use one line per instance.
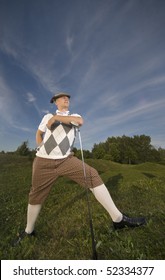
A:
(6, 102)
(69, 43)
(45, 111)
(10, 108)
(108, 54)
(102, 127)
(31, 98)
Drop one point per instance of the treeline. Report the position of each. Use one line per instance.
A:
(22, 150)
(128, 150)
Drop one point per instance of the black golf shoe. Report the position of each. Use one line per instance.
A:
(129, 222)
(21, 236)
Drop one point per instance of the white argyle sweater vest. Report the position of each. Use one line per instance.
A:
(57, 142)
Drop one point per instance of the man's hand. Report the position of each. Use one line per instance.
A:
(39, 137)
(50, 122)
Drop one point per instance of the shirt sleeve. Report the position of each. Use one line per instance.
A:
(76, 115)
(42, 126)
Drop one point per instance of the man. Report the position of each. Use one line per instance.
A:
(55, 138)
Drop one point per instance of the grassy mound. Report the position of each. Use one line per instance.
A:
(63, 226)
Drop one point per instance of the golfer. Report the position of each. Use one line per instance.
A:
(54, 157)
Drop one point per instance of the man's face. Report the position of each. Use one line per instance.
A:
(62, 102)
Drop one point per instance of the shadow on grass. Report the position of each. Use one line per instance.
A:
(114, 181)
(70, 202)
(149, 175)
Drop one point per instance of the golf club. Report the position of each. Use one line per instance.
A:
(87, 195)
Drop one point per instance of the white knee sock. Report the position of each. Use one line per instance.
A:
(32, 215)
(103, 196)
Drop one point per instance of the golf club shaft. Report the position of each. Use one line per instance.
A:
(88, 203)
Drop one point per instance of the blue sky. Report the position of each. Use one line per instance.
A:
(108, 54)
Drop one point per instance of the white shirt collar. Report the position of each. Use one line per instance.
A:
(66, 113)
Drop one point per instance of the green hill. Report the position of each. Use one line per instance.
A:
(63, 227)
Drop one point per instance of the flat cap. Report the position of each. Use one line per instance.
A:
(58, 95)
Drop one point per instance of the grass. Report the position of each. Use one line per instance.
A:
(63, 227)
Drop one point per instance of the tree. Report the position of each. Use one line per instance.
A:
(131, 150)
(162, 154)
(98, 151)
(23, 149)
(142, 146)
(114, 152)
